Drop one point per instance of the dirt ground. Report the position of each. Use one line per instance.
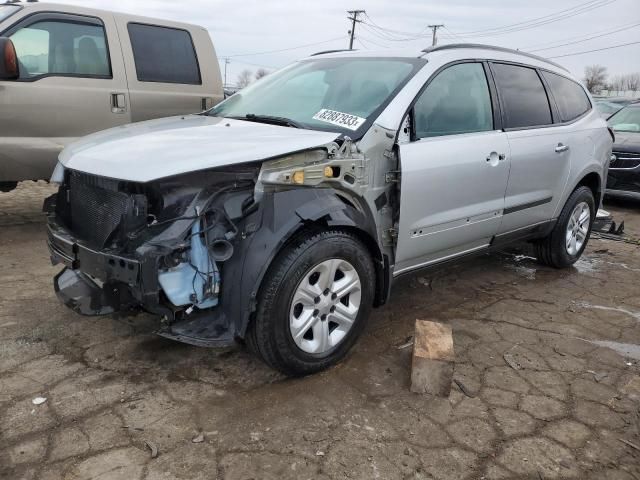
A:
(567, 407)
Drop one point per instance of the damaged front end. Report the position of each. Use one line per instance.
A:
(157, 246)
(193, 248)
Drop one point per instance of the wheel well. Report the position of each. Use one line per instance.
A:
(592, 181)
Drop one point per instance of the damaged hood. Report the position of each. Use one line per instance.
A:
(147, 151)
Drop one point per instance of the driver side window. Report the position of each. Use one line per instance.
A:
(55, 47)
(456, 101)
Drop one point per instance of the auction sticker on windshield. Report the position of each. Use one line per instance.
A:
(346, 120)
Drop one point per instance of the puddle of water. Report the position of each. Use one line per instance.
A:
(526, 272)
(635, 315)
(623, 265)
(586, 265)
(629, 350)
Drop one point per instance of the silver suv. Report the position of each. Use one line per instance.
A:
(282, 215)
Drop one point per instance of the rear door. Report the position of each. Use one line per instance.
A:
(72, 83)
(540, 151)
(454, 169)
(166, 76)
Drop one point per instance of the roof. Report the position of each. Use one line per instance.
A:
(411, 53)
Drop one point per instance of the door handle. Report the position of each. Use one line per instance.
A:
(118, 103)
(494, 157)
(207, 103)
(562, 148)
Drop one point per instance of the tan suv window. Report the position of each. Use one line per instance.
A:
(55, 47)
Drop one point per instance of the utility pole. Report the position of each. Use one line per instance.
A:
(354, 19)
(226, 62)
(435, 35)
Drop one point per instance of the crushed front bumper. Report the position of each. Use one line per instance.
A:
(96, 282)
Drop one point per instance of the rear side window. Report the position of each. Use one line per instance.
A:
(456, 101)
(522, 95)
(570, 97)
(164, 55)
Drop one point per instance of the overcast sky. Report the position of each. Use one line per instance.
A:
(249, 26)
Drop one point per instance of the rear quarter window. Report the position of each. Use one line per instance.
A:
(522, 96)
(164, 54)
(570, 97)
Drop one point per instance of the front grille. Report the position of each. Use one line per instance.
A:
(625, 160)
(98, 210)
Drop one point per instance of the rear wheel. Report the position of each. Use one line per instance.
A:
(568, 239)
(314, 303)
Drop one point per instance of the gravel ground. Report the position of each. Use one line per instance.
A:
(569, 409)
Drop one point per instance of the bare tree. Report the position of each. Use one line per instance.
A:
(633, 81)
(595, 77)
(244, 78)
(261, 72)
(617, 83)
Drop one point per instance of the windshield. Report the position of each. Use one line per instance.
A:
(7, 10)
(332, 94)
(626, 120)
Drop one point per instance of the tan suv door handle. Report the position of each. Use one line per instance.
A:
(561, 148)
(118, 103)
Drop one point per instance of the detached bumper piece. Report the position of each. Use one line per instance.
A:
(202, 329)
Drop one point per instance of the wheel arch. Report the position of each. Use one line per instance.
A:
(286, 215)
(593, 181)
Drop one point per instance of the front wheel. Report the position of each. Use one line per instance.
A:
(568, 239)
(314, 303)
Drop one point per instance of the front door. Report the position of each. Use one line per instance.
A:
(72, 83)
(454, 170)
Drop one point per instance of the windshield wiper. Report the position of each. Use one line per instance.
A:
(287, 122)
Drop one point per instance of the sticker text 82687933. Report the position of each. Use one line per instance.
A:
(346, 120)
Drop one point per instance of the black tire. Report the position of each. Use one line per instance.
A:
(269, 335)
(552, 249)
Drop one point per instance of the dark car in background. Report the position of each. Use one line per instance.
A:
(624, 170)
(607, 108)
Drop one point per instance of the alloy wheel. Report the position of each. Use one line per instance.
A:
(325, 306)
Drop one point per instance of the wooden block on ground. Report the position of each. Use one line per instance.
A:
(433, 358)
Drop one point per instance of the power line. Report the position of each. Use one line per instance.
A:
(284, 49)
(576, 37)
(389, 34)
(596, 50)
(539, 21)
(368, 40)
(586, 39)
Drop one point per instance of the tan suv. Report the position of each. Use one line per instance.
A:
(68, 71)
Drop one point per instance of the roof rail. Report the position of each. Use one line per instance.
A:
(450, 46)
(333, 51)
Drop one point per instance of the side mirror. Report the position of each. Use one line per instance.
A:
(9, 69)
